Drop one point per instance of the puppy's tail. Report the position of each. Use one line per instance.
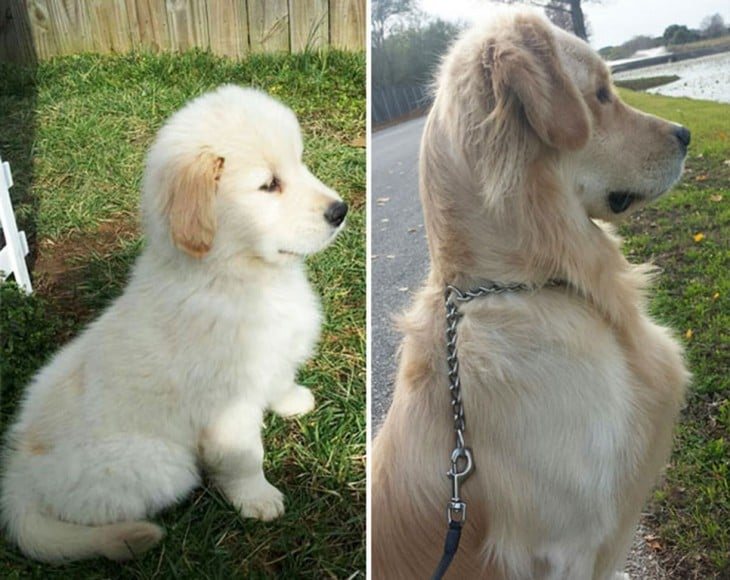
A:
(48, 539)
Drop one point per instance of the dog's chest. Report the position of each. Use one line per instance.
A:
(247, 339)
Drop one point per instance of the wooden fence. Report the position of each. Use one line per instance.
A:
(33, 30)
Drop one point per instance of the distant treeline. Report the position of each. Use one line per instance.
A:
(674, 35)
(409, 55)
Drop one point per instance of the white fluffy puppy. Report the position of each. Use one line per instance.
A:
(207, 336)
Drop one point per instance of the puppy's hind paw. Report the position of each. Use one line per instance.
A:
(297, 401)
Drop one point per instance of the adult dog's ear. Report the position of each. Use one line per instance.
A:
(524, 64)
(190, 206)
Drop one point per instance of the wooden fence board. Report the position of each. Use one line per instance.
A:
(110, 26)
(309, 24)
(347, 24)
(187, 22)
(228, 25)
(59, 27)
(148, 24)
(268, 25)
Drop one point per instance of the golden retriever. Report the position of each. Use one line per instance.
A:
(570, 390)
(177, 373)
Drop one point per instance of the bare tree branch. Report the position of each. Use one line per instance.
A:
(571, 7)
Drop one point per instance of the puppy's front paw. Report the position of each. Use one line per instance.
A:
(265, 502)
(297, 401)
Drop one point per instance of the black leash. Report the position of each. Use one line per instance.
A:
(453, 535)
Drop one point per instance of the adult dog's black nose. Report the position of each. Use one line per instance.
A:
(336, 213)
(684, 136)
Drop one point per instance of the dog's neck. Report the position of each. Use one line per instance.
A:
(592, 267)
(232, 274)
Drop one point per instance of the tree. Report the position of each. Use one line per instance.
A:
(410, 53)
(679, 34)
(383, 11)
(559, 11)
(558, 16)
(713, 26)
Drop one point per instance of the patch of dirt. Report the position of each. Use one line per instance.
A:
(61, 263)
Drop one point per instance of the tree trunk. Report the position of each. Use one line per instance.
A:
(579, 24)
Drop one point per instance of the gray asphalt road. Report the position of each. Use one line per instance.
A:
(399, 252)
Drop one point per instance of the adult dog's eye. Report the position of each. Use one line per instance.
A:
(274, 186)
(603, 95)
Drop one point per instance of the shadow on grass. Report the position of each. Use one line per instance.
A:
(18, 99)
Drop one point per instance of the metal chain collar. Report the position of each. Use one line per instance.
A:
(462, 463)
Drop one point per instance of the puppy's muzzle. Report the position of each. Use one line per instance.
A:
(336, 213)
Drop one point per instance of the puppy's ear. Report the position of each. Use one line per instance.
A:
(191, 207)
(524, 64)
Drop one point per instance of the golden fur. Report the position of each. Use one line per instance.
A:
(570, 392)
(191, 194)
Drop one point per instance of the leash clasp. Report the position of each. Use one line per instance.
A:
(462, 465)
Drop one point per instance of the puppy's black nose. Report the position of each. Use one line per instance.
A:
(336, 213)
(684, 136)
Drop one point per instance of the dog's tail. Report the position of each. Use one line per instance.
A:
(48, 539)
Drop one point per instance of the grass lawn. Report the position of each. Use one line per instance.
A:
(75, 131)
(687, 234)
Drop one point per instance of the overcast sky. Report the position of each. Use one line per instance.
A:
(611, 22)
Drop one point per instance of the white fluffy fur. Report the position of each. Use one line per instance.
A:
(180, 369)
(570, 392)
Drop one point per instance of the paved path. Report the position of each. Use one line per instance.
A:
(399, 265)
(399, 252)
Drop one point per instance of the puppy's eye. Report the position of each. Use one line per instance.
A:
(274, 186)
(603, 95)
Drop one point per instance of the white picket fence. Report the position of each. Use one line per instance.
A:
(12, 256)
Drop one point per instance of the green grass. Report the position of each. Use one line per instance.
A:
(687, 234)
(75, 131)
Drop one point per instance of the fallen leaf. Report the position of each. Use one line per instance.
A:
(698, 237)
(716, 197)
(358, 142)
(688, 334)
(382, 200)
(716, 295)
(702, 177)
(655, 543)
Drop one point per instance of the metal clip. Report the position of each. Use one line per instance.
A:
(461, 467)
(456, 511)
